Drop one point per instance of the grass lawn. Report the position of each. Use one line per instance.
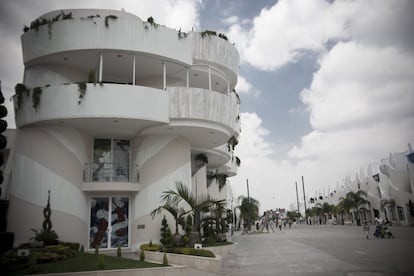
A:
(83, 262)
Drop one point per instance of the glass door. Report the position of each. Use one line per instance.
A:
(98, 230)
(103, 234)
(119, 222)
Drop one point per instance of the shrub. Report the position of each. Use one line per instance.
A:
(148, 247)
(33, 268)
(192, 251)
(166, 236)
(142, 256)
(119, 252)
(96, 249)
(72, 245)
(164, 259)
(101, 262)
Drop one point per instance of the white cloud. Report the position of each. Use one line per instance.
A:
(245, 87)
(230, 20)
(280, 34)
(359, 85)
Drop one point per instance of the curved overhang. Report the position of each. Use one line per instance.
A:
(114, 108)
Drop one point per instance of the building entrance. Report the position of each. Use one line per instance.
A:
(109, 222)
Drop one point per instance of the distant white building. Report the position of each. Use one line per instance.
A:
(116, 111)
(389, 186)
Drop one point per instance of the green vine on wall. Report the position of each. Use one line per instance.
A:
(43, 21)
(20, 89)
(82, 91)
(208, 33)
(37, 92)
(181, 34)
(223, 36)
(232, 143)
(112, 17)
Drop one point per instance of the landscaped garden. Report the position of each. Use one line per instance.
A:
(60, 258)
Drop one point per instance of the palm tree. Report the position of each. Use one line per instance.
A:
(359, 201)
(182, 194)
(177, 213)
(249, 209)
(345, 205)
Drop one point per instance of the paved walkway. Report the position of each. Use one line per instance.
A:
(321, 250)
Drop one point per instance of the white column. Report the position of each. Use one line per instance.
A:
(133, 72)
(228, 88)
(164, 75)
(100, 66)
(209, 77)
(188, 77)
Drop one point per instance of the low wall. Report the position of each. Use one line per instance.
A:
(196, 262)
(222, 250)
(155, 271)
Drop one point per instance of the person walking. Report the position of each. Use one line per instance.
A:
(366, 229)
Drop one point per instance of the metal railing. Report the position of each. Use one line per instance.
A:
(110, 172)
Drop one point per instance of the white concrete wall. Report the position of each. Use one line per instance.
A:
(43, 162)
(163, 161)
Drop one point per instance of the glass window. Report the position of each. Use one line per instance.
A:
(111, 160)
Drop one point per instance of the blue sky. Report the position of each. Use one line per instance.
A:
(327, 87)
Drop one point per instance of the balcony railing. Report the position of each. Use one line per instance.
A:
(111, 172)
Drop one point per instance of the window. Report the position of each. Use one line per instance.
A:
(400, 211)
(111, 160)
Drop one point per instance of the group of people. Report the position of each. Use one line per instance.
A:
(381, 229)
(271, 217)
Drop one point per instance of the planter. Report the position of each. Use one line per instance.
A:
(201, 263)
(222, 250)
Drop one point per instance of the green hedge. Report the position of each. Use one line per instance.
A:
(192, 251)
(147, 247)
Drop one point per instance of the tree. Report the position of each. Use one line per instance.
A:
(182, 194)
(354, 200)
(166, 237)
(249, 209)
(177, 213)
(345, 204)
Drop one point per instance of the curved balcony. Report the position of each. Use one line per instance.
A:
(230, 168)
(109, 30)
(206, 118)
(218, 52)
(111, 108)
(110, 177)
(125, 32)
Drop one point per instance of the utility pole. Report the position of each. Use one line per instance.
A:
(297, 197)
(304, 196)
(248, 196)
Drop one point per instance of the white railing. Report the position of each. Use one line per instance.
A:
(110, 172)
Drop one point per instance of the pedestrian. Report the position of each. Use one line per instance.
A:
(280, 225)
(366, 229)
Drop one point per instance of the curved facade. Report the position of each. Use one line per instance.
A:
(112, 112)
(389, 186)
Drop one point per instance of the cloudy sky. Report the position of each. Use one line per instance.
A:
(327, 87)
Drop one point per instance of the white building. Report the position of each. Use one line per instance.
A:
(389, 185)
(117, 110)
